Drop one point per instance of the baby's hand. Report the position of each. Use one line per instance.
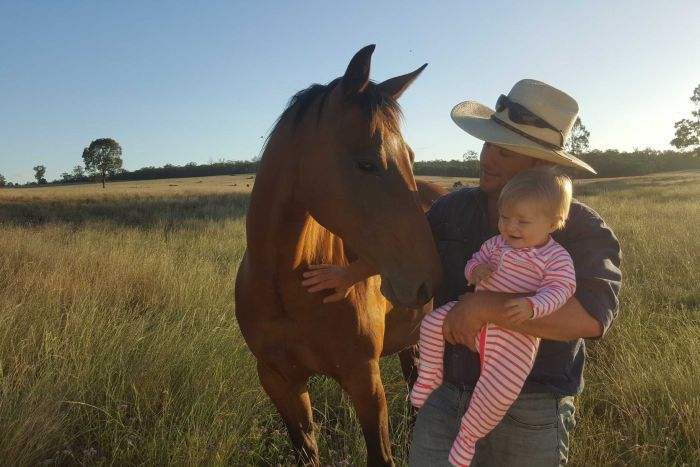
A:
(328, 277)
(518, 310)
(480, 274)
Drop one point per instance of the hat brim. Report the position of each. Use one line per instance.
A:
(475, 119)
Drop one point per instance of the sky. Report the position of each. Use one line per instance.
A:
(181, 81)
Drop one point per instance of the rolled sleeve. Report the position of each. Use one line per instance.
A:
(596, 254)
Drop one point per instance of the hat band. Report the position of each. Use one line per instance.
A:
(541, 142)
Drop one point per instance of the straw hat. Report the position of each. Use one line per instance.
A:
(534, 119)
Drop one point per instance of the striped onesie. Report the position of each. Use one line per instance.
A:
(506, 356)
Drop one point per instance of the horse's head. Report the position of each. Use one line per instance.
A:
(356, 179)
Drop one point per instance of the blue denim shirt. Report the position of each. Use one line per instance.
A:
(459, 224)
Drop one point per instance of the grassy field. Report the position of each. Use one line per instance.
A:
(119, 345)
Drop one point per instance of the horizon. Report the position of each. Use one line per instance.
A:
(175, 83)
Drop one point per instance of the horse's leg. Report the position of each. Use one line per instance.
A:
(364, 384)
(401, 335)
(292, 401)
(409, 365)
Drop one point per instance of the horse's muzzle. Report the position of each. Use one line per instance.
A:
(407, 297)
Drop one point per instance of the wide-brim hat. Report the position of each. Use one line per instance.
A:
(535, 119)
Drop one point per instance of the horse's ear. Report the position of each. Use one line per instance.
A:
(396, 86)
(356, 76)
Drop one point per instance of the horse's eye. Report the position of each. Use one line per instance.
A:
(367, 167)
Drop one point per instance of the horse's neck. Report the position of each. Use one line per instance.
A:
(317, 245)
(281, 232)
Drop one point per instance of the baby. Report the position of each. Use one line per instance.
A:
(523, 259)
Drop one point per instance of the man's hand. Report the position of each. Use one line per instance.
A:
(328, 277)
(480, 273)
(463, 323)
(518, 310)
(474, 310)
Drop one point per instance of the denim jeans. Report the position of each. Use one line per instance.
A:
(534, 432)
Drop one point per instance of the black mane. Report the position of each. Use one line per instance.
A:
(379, 108)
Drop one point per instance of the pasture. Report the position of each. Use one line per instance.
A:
(119, 345)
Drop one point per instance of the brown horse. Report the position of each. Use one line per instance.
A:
(335, 184)
(428, 193)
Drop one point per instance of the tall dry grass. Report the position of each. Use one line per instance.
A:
(119, 346)
(642, 401)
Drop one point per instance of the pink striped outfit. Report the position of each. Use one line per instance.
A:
(506, 356)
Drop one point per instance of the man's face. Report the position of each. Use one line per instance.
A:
(498, 165)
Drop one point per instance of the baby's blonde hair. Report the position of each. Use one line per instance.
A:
(545, 186)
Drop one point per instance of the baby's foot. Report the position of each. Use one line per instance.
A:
(426, 383)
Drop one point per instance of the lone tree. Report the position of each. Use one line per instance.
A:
(688, 130)
(103, 157)
(3, 182)
(39, 172)
(578, 139)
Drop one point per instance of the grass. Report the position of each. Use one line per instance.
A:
(119, 346)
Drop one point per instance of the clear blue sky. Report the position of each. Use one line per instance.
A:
(181, 81)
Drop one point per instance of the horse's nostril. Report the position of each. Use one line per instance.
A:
(425, 293)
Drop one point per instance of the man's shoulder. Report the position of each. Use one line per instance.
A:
(452, 203)
(579, 211)
(583, 218)
(461, 195)
(585, 228)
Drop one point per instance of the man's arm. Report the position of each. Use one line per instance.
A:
(469, 315)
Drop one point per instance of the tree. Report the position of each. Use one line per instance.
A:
(578, 139)
(103, 157)
(688, 130)
(3, 182)
(78, 172)
(39, 172)
(77, 175)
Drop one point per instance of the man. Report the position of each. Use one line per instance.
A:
(530, 126)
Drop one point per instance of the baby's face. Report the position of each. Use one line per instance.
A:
(524, 224)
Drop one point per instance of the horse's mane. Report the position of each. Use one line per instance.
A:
(320, 246)
(380, 109)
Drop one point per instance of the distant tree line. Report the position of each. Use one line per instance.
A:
(453, 168)
(191, 169)
(614, 163)
(608, 163)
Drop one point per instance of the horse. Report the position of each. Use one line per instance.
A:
(335, 185)
(428, 193)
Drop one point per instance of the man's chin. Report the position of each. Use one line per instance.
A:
(490, 185)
